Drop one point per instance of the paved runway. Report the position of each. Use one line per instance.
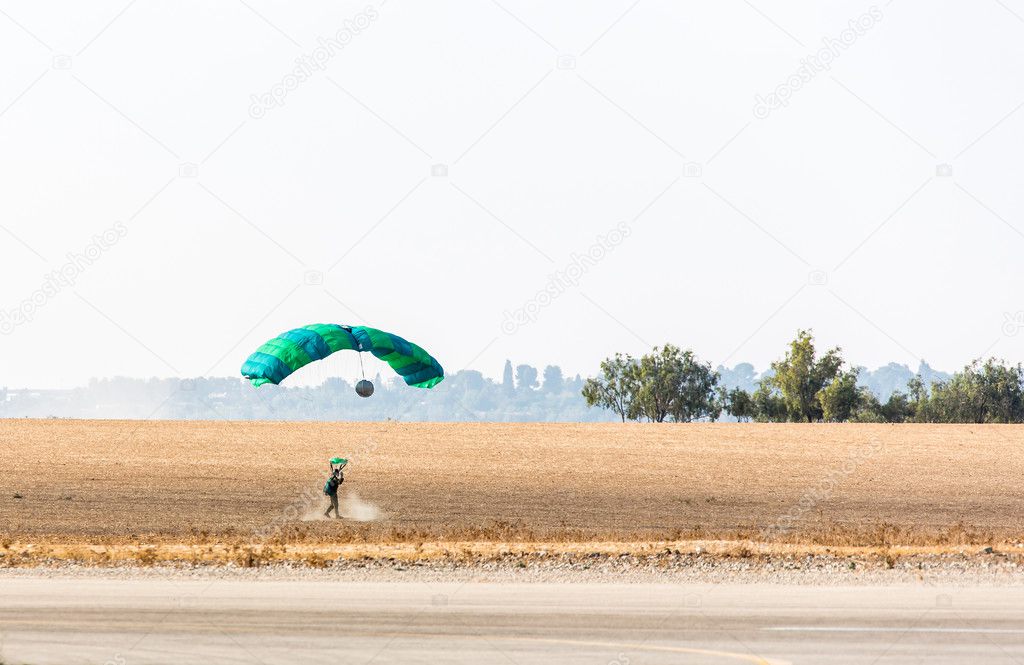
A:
(55, 620)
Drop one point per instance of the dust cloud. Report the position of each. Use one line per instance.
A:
(353, 507)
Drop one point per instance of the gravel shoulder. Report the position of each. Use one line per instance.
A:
(832, 569)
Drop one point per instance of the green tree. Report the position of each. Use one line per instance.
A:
(673, 385)
(867, 409)
(941, 405)
(769, 406)
(657, 375)
(1003, 386)
(696, 394)
(740, 404)
(800, 376)
(615, 388)
(899, 408)
(917, 396)
(840, 398)
(992, 392)
(666, 384)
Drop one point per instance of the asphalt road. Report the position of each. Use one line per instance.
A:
(63, 620)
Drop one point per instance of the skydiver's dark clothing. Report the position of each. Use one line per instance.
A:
(331, 489)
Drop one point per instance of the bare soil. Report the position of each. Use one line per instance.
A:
(136, 482)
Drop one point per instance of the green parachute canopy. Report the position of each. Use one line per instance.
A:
(278, 358)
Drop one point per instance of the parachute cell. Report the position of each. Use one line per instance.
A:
(278, 358)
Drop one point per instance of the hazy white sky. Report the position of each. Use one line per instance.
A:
(434, 168)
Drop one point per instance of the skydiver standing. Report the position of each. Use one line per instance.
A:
(331, 490)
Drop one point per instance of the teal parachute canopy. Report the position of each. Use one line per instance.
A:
(278, 358)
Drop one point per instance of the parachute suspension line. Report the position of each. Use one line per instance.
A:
(362, 371)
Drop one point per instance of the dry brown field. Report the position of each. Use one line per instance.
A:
(129, 481)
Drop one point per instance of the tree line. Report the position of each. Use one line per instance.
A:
(523, 393)
(671, 384)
